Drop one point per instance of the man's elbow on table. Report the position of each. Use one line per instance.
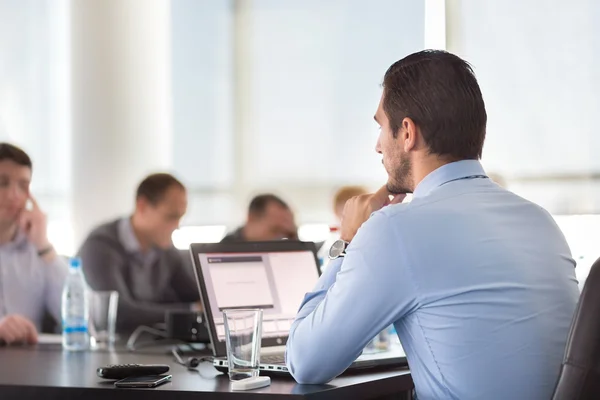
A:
(307, 368)
(314, 375)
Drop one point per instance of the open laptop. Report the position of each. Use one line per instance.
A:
(273, 276)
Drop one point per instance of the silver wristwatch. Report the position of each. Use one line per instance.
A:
(338, 249)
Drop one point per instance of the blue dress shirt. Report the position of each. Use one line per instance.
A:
(478, 282)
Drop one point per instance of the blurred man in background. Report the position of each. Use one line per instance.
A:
(344, 194)
(269, 218)
(135, 256)
(341, 196)
(31, 273)
(499, 179)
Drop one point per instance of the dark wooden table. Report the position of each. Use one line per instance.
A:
(49, 373)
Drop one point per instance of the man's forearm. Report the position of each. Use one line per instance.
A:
(310, 302)
(360, 298)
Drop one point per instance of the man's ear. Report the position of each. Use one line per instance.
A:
(252, 217)
(409, 135)
(141, 204)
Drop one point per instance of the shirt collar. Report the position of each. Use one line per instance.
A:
(128, 239)
(446, 173)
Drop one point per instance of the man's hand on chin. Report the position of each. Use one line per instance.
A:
(358, 209)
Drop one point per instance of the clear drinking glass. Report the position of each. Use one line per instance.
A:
(103, 317)
(243, 335)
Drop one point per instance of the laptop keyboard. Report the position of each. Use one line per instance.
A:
(272, 359)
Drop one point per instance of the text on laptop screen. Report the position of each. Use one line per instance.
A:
(275, 282)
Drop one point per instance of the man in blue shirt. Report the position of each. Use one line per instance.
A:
(478, 282)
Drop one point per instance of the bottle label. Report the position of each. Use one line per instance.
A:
(74, 325)
(75, 329)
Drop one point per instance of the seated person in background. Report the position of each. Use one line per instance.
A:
(269, 218)
(340, 198)
(499, 179)
(479, 283)
(135, 256)
(344, 194)
(31, 273)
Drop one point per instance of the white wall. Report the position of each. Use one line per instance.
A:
(121, 104)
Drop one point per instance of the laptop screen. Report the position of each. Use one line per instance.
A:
(273, 281)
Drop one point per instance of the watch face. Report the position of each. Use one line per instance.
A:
(337, 249)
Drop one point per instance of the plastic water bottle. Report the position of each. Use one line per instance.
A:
(75, 335)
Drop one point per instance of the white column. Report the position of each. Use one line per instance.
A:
(121, 104)
(243, 123)
(435, 24)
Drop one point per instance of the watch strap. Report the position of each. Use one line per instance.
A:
(44, 251)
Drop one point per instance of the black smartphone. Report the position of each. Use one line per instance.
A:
(143, 381)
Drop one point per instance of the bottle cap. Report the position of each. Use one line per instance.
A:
(75, 263)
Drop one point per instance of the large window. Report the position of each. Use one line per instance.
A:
(539, 70)
(202, 71)
(280, 96)
(203, 108)
(271, 95)
(316, 69)
(34, 92)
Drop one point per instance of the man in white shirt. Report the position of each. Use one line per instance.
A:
(31, 273)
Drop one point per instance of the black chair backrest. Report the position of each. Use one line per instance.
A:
(580, 372)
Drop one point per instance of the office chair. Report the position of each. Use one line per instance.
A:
(49, 324)
(579, 377)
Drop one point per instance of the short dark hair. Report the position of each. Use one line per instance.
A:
(154, 187)
(439, 92)
(15, 154)
(259, 203)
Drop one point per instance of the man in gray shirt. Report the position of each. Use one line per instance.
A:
(136, 257)
(31, 273)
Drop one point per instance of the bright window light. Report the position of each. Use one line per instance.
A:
(60, 234)
(186, 235)
(581, 232)
(313, 232)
